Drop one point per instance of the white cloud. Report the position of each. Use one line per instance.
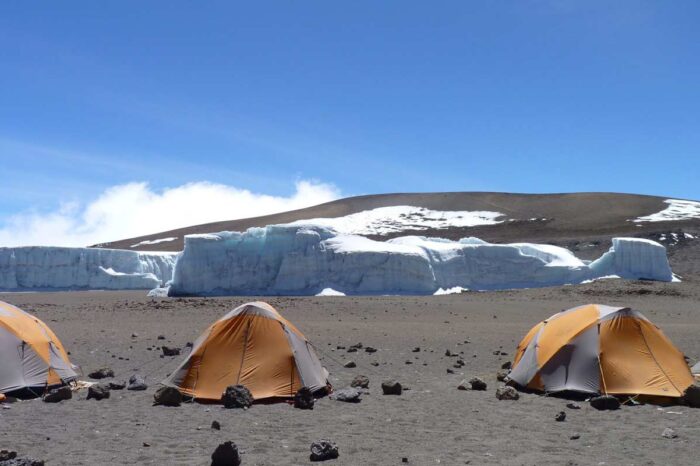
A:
(134, 209)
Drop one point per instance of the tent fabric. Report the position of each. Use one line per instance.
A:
(31, 356)
(252, 345)
(600, 349)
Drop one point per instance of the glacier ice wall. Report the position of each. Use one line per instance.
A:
(305, 260)
(61, 268)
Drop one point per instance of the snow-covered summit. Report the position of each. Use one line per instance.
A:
(385, 220)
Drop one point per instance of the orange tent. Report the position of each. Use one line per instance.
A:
(31, 356)
(600, 349)
(255, 346)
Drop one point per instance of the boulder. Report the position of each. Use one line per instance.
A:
(477, 383)
(216, 425)
(58, 394)
(137, 383)
(304, 399)
(237, 396)
(323, 450)
(360, 381)
(502, 375)
(348, 395)
(691, 397)
(98, 392)
(102, 373)
(669, 433)
(350, 364)
(116, 385)
(507, 393)
(605, 402)
(226, 454)
(168, 351)
(167, 396)
(507, 365)
(391, 387)
(560, 417)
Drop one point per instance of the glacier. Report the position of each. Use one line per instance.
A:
(63, 268)
(307, 259)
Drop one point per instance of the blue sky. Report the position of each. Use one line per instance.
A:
(366, 96)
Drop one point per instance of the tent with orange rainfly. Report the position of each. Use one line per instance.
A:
(31, 356)
(254, 346)
(600, 349)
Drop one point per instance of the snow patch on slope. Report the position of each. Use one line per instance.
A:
(677, 210)
(305, 260)
(153, 241)
(385, 220)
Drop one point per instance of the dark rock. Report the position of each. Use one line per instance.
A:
(304, 399)
(10, 458)
(102, 373)
(449, 353)
(374, 363)
(6, 455)
(167, 396)
(189, 344)
(161, 337)
(507, 365)
(350, 364)
(450, 371)
(215, 425)
(575, 436)
(416, 349)
(507, 393)
(348, 395)
(168, 351)
(669, 433)
(691, 397)
(605, 402)
(226, 454)
(116, 385)
(323, 450)
(137, 383)
(573, 405)
(502, 375)
(391, 387)
(58, 394)
(357, 346)
(560, 417)
(369, 349)
(477, 383)
(360, 381)
(98, 392)
(237, 396)
(352, 350)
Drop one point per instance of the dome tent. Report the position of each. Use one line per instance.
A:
(254, 346)
(32, 358)
(600, 349)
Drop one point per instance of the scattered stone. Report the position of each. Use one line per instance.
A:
(237, 396)
(134, 335)
(352, 350)
(304, 399)
(357, 346)
(348, 395)
(449, 354)
(691, 397)
(350, 364)
(560, 417)
(463, 385)
(477, 383)
(189, 344)
(161, 337)
(369, 349)
(507, 393)
(605, 402)
(323, 450)
(507, 365)
(404, 459)
(58, 394)
(575, 436)
(360, 381)
(391, 387)
(137, 383)
(502, 375)
(102, 373)
(450, 371)
(215, 425)
(98, 392)
(573, 405)
(116, 385)
(226, 454)
(374, 363)
(669, 433)
(416, 349)
(168, 351)
(167, 396)
(10, 458)
(146, 444)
